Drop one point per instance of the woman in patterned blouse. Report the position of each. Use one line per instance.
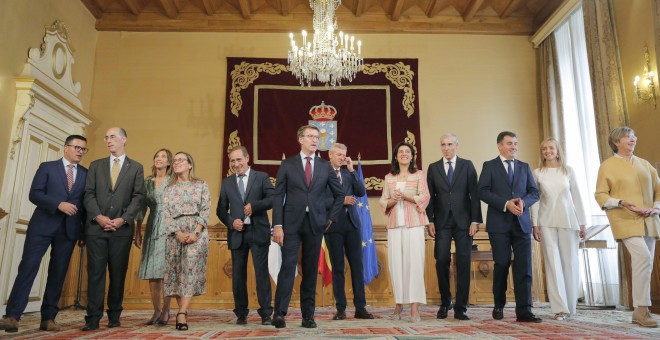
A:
(186, 213)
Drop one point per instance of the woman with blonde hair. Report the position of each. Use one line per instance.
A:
(187, 206)
(404, 199)
(152, 262)
(558, 221)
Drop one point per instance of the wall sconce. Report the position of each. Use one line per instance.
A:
(644, 83)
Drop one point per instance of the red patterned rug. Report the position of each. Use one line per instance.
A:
(214, 324)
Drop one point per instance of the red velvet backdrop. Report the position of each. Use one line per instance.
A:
(266, 105)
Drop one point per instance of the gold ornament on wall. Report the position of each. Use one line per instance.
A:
(644, 84)
(373, 183)
(245, 74)
(401, 76)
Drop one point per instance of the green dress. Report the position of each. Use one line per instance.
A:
(152, 264)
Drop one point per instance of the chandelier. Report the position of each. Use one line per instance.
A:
(325, 57)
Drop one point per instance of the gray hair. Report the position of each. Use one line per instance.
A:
(449, 135)
(617, 134)
(338, 146)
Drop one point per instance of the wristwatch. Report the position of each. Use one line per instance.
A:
(621, 203)
(197, 233)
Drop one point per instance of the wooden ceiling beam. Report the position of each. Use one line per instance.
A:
(209, 8)
(397, 9)
(285, 7)
(132, 6)
(511, 7)
(170, 8)
(359, 6)
(93, 8)
(435, 6)
(245, 8)
(471, 9)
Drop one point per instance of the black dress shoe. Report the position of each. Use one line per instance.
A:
(90, 326)
(266, 320)
(461, 316)
(113, 324)
(363, 314)
(278, 321)
(529, 317)
(242, 320)
(498, 313)
(308, 323)
(443, 311)
(340, 315)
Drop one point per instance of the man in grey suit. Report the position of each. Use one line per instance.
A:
(455, 213)
(113, 196)
(245, 198)
(300, 216)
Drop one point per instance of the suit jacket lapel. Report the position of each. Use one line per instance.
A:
(248, 187)
(503, 172)
(61, 173)
(457, 168)
(443, 173)
(316, 170)
(122, 171)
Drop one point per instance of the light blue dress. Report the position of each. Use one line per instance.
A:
(152, 264)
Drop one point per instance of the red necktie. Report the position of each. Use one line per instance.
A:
(337, 171)
(69, 177)
(308, 170)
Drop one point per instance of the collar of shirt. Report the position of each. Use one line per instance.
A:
(302, 155)
(247, 174)
(506, 165)
(66, 164)
(619, 156)
(121, 159)
(453, 161)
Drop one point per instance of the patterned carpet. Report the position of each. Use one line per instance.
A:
(213, 324)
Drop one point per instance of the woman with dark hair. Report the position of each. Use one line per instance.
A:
(628, 189)
(404, 199)
(187, 205)
(152, 263)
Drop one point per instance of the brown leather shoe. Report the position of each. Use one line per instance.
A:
(9, 324)
(49, 326)
(643, 318)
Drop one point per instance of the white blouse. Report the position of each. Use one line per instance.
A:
(560, 205)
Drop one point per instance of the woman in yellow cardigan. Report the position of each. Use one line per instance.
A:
(628, 188)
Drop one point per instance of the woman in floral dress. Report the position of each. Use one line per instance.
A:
(186, 213)
(152, 263)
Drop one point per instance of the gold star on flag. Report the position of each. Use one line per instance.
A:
(360, 204)
(364, 244)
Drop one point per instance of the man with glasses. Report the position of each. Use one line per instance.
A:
(300, 216)
(113, 197)
(57, 191)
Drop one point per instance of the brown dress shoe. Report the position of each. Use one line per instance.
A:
(643, 318)
(9, 325)
(49, 325)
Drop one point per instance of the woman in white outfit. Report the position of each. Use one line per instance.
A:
(559, 222)
(404, 198)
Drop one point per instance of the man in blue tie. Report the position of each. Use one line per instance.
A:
(508, 187)
(57, 222)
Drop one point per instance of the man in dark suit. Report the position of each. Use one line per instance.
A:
(113, 197)
(454, 212)
(57, 191)
(508, 187)
(245, 198)
(300, 216)
(343, 237)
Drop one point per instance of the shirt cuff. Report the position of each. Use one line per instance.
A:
(504, 210)
(611, 203)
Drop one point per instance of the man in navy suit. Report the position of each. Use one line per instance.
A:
(300, 216)
(57, 191)
(344, 237)
(508, 187)
(455, 213)
(245, 198)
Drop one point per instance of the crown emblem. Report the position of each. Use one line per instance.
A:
(322, 112)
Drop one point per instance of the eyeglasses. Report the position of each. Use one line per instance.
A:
(312, 137)
(78, 148)
(180, 160)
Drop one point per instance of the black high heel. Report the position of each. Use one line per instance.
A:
(180, 325)
(154, 319)
(160, 321)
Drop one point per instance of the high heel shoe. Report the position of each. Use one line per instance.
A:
(154, 318)
(181, 325)
(160, 321)
(397, 312)
(414, 309)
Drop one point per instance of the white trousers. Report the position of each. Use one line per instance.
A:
(406, 252)
(562, 270)
(642, 251)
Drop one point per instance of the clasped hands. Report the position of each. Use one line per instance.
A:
(639, 211)
(186, 238)
(110, 225)
(516, 206)
(238, 224)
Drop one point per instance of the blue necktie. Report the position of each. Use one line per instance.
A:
(510, 171)
(450, 172)
(241, 186)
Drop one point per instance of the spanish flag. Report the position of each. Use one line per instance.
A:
(325, 267)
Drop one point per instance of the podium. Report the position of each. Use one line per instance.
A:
(600, 267)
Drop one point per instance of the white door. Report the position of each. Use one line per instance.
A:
(38, 148)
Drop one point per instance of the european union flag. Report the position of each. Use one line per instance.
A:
(369, 258)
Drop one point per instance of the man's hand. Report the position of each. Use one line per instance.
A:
(583, 232)
(81, 243)
(247, 209)
(349, 164)
(519, 203)
(474, 228)
(431, 229)
(536, 231)
(513, 207)
(105, 223)
(278, 235)
(67, 208)
(237, 225)
(116, 223)
(350, 200)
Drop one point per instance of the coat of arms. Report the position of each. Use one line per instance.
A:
(323, 115)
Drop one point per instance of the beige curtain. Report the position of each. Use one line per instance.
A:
(552, 112)
(605, 69)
